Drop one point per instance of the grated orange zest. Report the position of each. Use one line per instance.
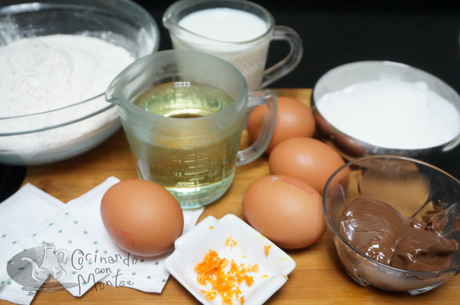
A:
(227, 302)
(230, 242)
(210, 270)
(267, 249)
(210, 295)
(248, 279)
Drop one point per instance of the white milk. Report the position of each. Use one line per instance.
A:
(230, 34)
(224, 24)
(392, 114)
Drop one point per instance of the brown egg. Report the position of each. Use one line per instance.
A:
(285, 210)
(142, 217)
(293, 119)
(307, 159)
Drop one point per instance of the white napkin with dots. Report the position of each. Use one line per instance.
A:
(69, 242)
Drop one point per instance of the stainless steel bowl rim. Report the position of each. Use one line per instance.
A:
(379, 150)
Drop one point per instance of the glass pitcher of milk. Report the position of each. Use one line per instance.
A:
(237, 31)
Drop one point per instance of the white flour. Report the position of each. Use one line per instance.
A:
(49, 72)
(392, 114)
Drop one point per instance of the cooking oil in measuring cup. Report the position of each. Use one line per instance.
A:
(183, 100)
(194, 168)
(185, 135)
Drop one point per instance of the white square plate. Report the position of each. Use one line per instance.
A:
(213, 234)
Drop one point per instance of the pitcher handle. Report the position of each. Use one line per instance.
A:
(292, 59)
(269, 98)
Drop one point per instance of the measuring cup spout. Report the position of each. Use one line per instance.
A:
(112, 95)
(116, 101)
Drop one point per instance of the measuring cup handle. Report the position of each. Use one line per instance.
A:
(269, 98)
(292, 59)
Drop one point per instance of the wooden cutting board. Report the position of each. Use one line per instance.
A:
(317, 279)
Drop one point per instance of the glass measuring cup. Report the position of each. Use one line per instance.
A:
(194, 158)
(247, 56)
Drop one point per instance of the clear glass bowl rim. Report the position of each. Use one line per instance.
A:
(349, 245)
(35, 6)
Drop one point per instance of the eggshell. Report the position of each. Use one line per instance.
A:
(285, 210)
(293, 119)
(307, 159)
(142, 217)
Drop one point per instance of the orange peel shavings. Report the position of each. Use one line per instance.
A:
(230, 242)
(211, 270)
(210, 295)
(227, 302)
(267, 249)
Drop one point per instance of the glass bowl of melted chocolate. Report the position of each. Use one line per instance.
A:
(395, 222)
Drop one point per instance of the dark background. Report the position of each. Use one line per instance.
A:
(423, 34)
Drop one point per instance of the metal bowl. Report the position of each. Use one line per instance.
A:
(412, 187)
(346, 75)
(77, 128)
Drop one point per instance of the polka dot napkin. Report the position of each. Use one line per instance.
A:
(41, 237)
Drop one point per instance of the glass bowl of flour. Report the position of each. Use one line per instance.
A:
(57, 57)
(386, 108)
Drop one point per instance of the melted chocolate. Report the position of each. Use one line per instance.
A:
(457, 223)
(379, 231)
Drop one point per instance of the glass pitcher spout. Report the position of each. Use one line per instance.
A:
(171, 20)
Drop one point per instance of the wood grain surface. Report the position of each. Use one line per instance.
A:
(317, 279)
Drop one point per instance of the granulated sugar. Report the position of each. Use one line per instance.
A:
(392, 114)
(49, 72)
